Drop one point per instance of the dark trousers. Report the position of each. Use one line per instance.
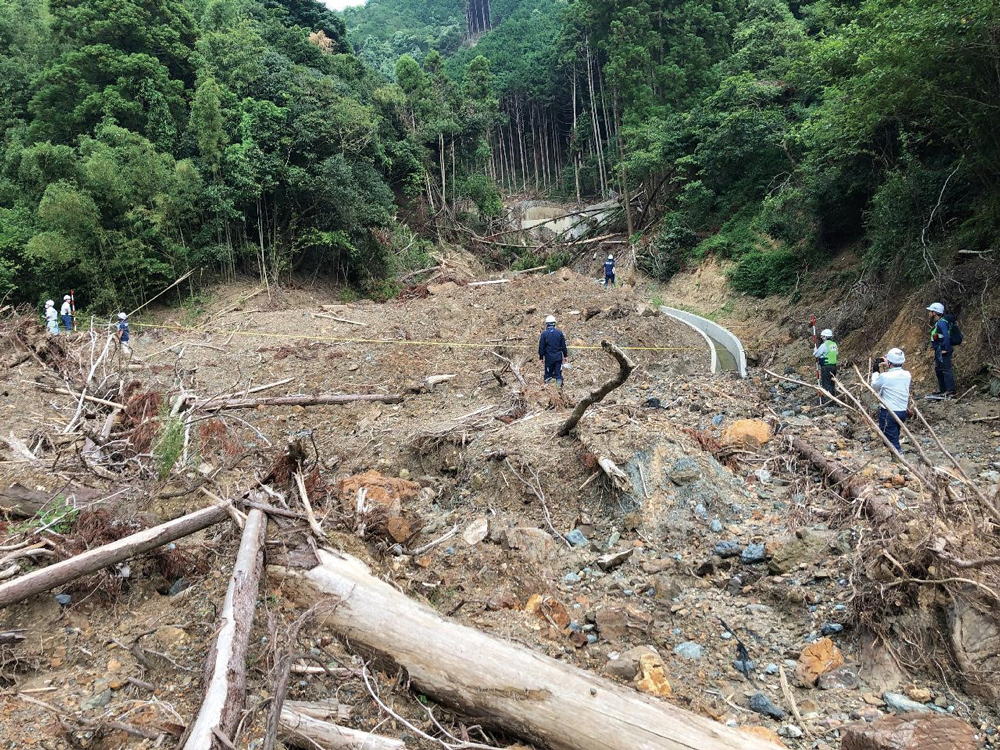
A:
(609, 279)
(945, 376)
(67, 322)
(553, 371)
(889, 426)
(827, 374)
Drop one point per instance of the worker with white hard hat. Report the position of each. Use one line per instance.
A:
(51, 318)
(123, 333)
(66, 313)
(826, 357)
(609, 271)
(552, 351)
(892, 384)
(941, 343)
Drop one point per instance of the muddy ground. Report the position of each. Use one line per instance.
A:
(734, 556)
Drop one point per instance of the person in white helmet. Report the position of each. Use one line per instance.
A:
(552, 351)
(826, 356)
(122, 332)
(609, 271)
(51, 317)
(941, 343)
(66, 313)
(892, 384)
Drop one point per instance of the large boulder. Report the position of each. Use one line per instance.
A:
(912, 732)
(818, 658)
(747, 432)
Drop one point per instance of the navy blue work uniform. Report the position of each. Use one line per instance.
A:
(609, 271)
(941, 341)
(552, 350)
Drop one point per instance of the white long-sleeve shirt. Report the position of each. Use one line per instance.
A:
(65, 309)
(893, 386)
(50, 313)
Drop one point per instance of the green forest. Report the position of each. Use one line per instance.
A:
(143, 138)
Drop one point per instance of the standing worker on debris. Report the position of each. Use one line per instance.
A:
(892, 384)
(826, 357)
(942, 342)
(122, 332)
(552, 350)
(51, 319)
(609, 271)
(66, 313)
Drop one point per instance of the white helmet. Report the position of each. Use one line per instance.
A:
(66, 298)
(827, 334)
(122, 316)
(895, 356)
(937, 307)
(49, 303)
(611, 257)
(551, 320)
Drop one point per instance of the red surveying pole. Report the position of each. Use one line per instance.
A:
(72, 307)
(819, 375)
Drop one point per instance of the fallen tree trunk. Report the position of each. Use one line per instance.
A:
(308, 732)
(109, 554)
(625, 367)
(618, 477)
(315, 400)
(845, 482)
(498, 683)
(225, 667)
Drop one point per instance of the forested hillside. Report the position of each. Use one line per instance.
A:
(143, 138)
(771, 132)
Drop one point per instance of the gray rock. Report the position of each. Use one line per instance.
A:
(754, 553)
(688, 650)
(791, 731)
(716, 525)
(843, 678)
(571, 578)
(684, 471)
(900, 704)
(727, 548)
(763, 705)
(744, 666)
(576, 538)
(181, 584)
(831, 628)
(771, 668)
(612, 560)
(98, 701)
(63, 599)
(718, 419)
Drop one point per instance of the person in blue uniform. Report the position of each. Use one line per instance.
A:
(609, 271)
(941, 344)
(552, 351)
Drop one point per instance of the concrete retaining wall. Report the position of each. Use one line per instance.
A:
(713, 332)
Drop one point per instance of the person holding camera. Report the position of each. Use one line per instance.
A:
(892, 384)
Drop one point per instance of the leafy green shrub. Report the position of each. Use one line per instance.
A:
(670, 248)
(557, 260)
(482, 191)
(169, 445)
(527, 260)
(761, 273)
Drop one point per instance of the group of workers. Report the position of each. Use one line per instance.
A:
(888, 378)
(67, 315)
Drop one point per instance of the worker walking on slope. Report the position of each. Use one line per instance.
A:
(122, 332)
(552, 351)
(942, 343)
(892, 384)
(826, 356)
(51, 318)
(609, 271)
(66, 313)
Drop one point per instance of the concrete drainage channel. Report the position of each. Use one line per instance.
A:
(727, 351)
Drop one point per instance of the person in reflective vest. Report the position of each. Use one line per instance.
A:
(552, 351)
(609, 271)
(826, 355)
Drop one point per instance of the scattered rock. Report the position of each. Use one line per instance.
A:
(689, 650)
(665, 587)
(748, 432)
(911, 732)
(577, 539)
(762, 733)
(816, 659)
(476, 531)
(763, 705)
(791, 731)
(844, 678)
(63, 599)
(616, 622)
(754, 553)
(549, 609)
(684, 471)
(920, 695)
(98, 701)
(533, 544)
(787, 553)
(831, 628)
(612, 560)
(503, 600)
(653, 676)
(900, 704)
(728, 548)
(181, 584)
(624, 669)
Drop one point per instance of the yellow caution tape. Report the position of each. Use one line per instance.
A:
(397, 342)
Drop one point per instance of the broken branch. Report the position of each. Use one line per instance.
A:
(625, 367)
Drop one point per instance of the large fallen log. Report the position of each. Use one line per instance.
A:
(305, 731)
(625, 367)
(497, 683)
(225, 667)
(323, 399)
(101, 557)
(845, 482)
